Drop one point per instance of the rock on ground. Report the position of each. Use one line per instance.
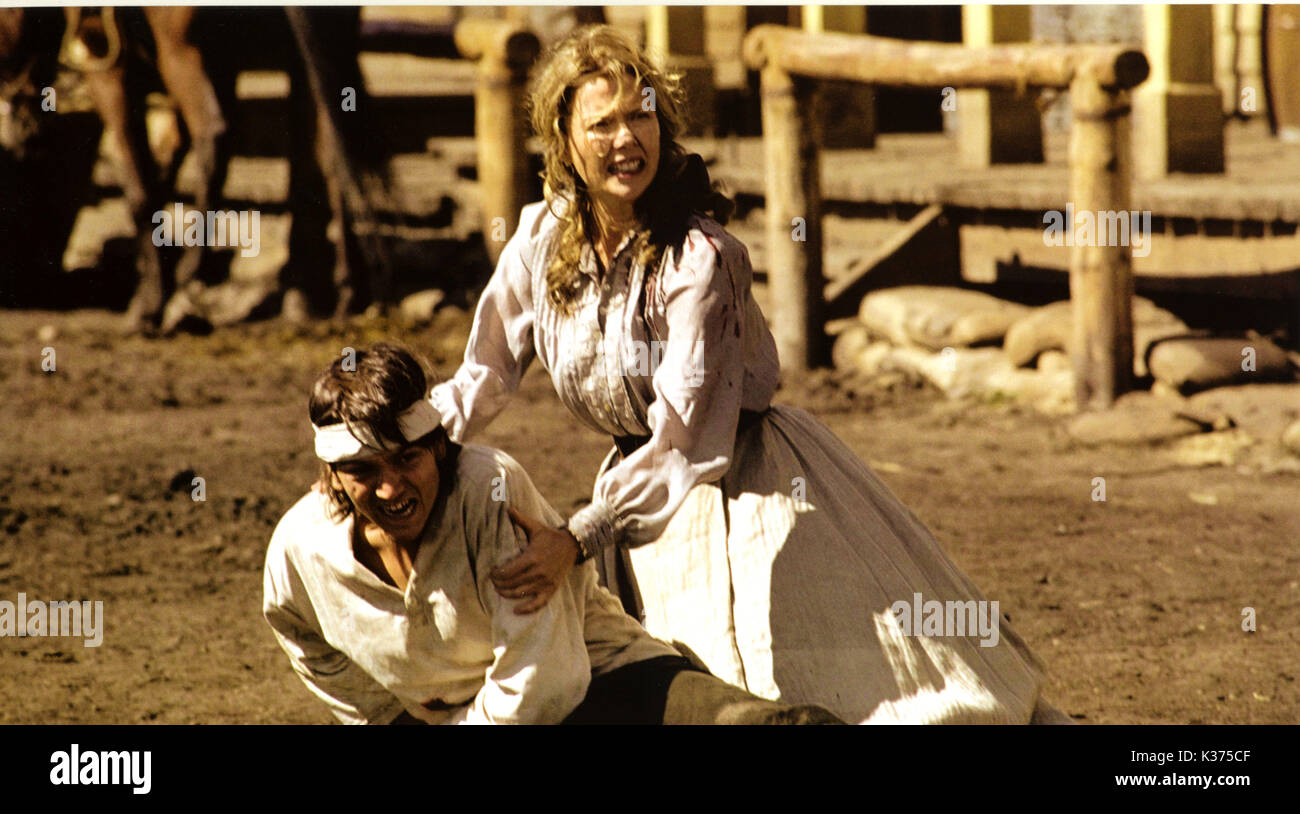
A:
(1291, 438)
(1135, 418)
(1264, 410)
(1053, 361)
(226, 304)
(1224, 448)
(848, 345)
(417, 309)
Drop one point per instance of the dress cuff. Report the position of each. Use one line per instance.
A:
(594, 527)
(446, 408)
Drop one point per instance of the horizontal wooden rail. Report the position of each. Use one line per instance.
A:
(907, 63)
(499, 40)
(430, 40)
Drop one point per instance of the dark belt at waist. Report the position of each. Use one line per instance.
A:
(627, 444)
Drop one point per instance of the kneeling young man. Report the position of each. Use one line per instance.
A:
(377, 584)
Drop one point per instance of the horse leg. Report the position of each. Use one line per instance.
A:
(319, 221)
(180, 64)
(319, 225)
(301, 276)
(328, 40)
(109, 92)
(340, 225)
(338, 34)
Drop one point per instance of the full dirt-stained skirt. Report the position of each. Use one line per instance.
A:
(782, 579)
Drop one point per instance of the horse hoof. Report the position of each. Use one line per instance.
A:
(344, 306)
(293, 308)
(183, 314)
(187, 268)
(140, 319)
(139, 325)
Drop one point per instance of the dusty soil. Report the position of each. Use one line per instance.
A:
(1135, 603)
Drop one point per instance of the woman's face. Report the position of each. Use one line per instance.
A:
(613, 144)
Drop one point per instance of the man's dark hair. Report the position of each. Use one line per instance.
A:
(371, 387)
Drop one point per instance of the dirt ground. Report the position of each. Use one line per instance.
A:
(1135, 603)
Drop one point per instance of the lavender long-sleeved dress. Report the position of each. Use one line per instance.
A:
(772, 553)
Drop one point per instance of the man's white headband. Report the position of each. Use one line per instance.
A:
(335, 443)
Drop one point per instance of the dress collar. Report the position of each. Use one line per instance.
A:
(590, 264)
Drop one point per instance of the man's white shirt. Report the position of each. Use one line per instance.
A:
(449, 649)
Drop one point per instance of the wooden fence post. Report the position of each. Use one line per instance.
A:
(1101, 276)
(504, 51)
(791, 149)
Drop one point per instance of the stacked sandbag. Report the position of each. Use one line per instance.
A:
(1051, 328)
(935, 334)
(934, 317)
(1200, 362)
(931, 332)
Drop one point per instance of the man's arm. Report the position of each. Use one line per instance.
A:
(540, 670)
(351, 694)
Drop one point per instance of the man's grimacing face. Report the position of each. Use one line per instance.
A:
(395, 491)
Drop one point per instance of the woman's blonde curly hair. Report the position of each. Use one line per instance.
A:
(681, 183)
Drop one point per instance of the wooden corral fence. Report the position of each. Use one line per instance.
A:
(1098, 78)
(503, 52)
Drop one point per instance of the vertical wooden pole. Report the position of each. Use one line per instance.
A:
(1283, 69)
(631, 20)
(1101, 277)
(1178, 114)
(1225, 55)
(848, 107)
(675, 39)
(501, 134)
(724, 32)
(997, 126)
(656, 33)
(791, 140)
(1250, 50)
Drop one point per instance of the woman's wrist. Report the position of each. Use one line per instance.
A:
(593, 528)
(583, 553)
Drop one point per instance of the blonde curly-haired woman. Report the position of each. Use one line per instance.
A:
(745, 533)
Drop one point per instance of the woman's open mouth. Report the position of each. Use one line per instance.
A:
(628, 168)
